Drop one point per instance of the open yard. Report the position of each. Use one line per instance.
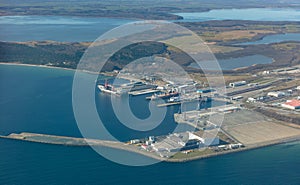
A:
(252, 128)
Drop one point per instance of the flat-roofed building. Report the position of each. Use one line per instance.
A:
(291, 104)
(276, 94)
(184, 141)
(237, 84)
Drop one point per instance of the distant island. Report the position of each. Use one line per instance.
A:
(142, 9)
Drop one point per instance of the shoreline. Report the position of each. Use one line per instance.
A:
(35, 65)
(205, 9)
(95, 17)
(54, 67)
(83, 142)
(247, 148)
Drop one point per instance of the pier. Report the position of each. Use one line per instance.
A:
(79, 142)
(142, 92)
(179, 157)
(169, 104)
(58, 140)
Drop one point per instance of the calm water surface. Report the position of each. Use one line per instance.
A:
(253, 14)
(275, 38)
(39, 100)
(56, 28)
(75, 29)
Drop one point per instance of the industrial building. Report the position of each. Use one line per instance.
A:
(207, 90)
(236, 98)
(186, 89)
(291, 104)
(184, 141)
(250, 99)
(135, 141)
(237, 84)
(276, 94)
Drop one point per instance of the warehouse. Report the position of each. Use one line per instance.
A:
(184, 141)
(291, 104)
(237, 84)
(276, 94)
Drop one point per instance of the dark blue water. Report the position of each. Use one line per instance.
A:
(254, 14)
(76, 29)
(42, 100)
(39, 100)
(33, 163)
(56, 28)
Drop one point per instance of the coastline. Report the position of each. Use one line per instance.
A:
(131, 148)
(77, 142)
(169, 13)
(54, 67)
(95, 16)
(257, 146)
(83, 142)
(35, 65)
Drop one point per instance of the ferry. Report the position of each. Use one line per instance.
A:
(107, 88)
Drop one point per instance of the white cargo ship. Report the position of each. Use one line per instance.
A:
(106, 89)
(125, 88)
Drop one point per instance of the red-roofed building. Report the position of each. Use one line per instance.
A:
(291, 104)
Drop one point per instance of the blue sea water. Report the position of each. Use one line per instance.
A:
(253, 14)
(34, 99)
(37, 99)
(56, 28)
(42, 99)
(33, 163)
(76, 29)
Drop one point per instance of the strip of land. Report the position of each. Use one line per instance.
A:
(178, 157)
(74, 141)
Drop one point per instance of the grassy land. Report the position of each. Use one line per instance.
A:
(286, 46)
(261, 80)
(227, 78)
(228, 32)
(239, 34)
(68, 54)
